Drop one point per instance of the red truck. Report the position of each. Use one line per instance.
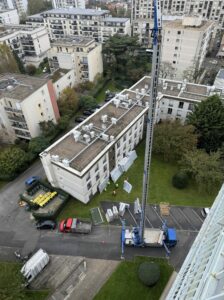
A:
(75, 225)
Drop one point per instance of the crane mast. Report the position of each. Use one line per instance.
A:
(156, 37)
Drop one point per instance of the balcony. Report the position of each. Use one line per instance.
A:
(16, 119)
(13, 110)
(19, 126)
(22, 134)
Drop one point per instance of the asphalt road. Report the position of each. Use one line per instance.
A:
(17, 232)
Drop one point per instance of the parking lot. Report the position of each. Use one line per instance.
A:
(180, 217)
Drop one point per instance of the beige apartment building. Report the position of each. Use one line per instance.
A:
(25, 101)
(81, 54)
(30, 44)
(185, 44)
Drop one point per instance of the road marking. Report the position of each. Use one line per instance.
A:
(157, 214)
(149, 221)
(132, 217)
(197, 215)
(183, 214)
(175, 220)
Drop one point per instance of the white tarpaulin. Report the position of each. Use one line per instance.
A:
(103, 185)
(126, 162)
(116, 173)
(127, 187)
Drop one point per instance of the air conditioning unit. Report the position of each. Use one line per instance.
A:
(146, 86)
(104, 118)
(90, 126)
(143, 91)
(86, 137)
(111, 138)
(116, 102)
(55, 157)
(76, 135)
(65, 162)
(114, 121)
(138, 96)
(137, 91)
(92, 134)
(105, 137)
(129, 102)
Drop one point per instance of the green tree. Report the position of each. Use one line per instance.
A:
(204, 168)
(19, 63)
(48, 129)
(87, 102)
(38, 144)
(172, 140)
(63, 122)
(12, 161)
(7, 60)
(68, 102)
(35, 7)
(208, 119)
(31, 70)
(124, 58)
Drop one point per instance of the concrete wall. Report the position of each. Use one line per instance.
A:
(95, 62)
(9, 17)
(67, 80)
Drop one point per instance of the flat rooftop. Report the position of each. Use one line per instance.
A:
(99, 130)
(75, 11)
(18, 86)
(116, 20)
(179, 89)
(177, 24)
(6, 30)
(74, 41)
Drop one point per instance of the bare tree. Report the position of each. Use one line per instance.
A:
(166, 70)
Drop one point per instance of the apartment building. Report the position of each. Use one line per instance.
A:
(81, 54)
(97, 24)
(20, 5)
(9, 17)
(68, 3)
(201, 275)
(102, 146)
(6, 4)
(81, 162)
(209, 10)
(25, 101)
(185, 44)
(30, 44)
(176, 99)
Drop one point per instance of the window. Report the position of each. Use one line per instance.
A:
(178, 32)
(169, 111)
(89, 185)
(191, 106)
(88, 177)
(105, 168)
(97, 168)
(39, 105)
(42, 114)
(181, 104)
(177, 40)
(174, 62)
(176, 48)
(118, 144)
(97, 177)
(129, 141)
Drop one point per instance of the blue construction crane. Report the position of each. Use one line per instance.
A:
(139, 236)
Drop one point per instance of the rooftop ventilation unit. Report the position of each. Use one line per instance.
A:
(146, 86)
(121, 97)
(179, 86)
(92, 134)
(55, 157)
(139, 102)
(103, 126)
(76, 135)
(86, 137)
(138, 96)
(126, 97)
(65, 162)
(129, 102)
(143, 91)
(171, 87)
(90, 126)
(137, 91)
(165, 85)
(114, 121)
(111, 138)
(104, 118)
(116, 102)
(124, 104)
(105, 137)
(146, 103)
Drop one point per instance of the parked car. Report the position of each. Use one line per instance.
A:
(31, 180)
(79, 119)
(87, 113)
(46, 224)
(92, 110)
(205, 211)
(98, 105)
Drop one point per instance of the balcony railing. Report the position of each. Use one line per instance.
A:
(14, 110)
(16, 119)
(23, 134)
(20, 126)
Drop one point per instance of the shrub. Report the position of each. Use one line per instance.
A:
(180, 180)
(149, 273)
(31, 70)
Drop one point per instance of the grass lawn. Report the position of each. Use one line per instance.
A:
(10, 284)
(161, 189)
(124, 283)
(109, 86)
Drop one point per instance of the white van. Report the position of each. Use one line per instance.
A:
(35, 265)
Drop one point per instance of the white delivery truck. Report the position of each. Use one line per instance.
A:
(35, 265)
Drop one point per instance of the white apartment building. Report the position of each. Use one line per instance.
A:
(209, 10)
(30, 44)
(25, 101)
(68, 3)
(9, 17)
(81, 54)
(7, 4)
(202, 273)
(185, 44)
(82, 161)
(20, 5)
(177, 99)
(64, 22)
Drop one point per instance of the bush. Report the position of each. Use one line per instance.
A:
(180, 180)
(149, 273)
(31, 70)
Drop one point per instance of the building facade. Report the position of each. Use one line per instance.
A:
(65, 22)
(82, 161)
(67, 79)
(20, 5)
(9, 17)
(83, 55)
(30, 44)
(202, 273)
(209, 10)
(185, 44)
(25, 101)
(68, 3)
